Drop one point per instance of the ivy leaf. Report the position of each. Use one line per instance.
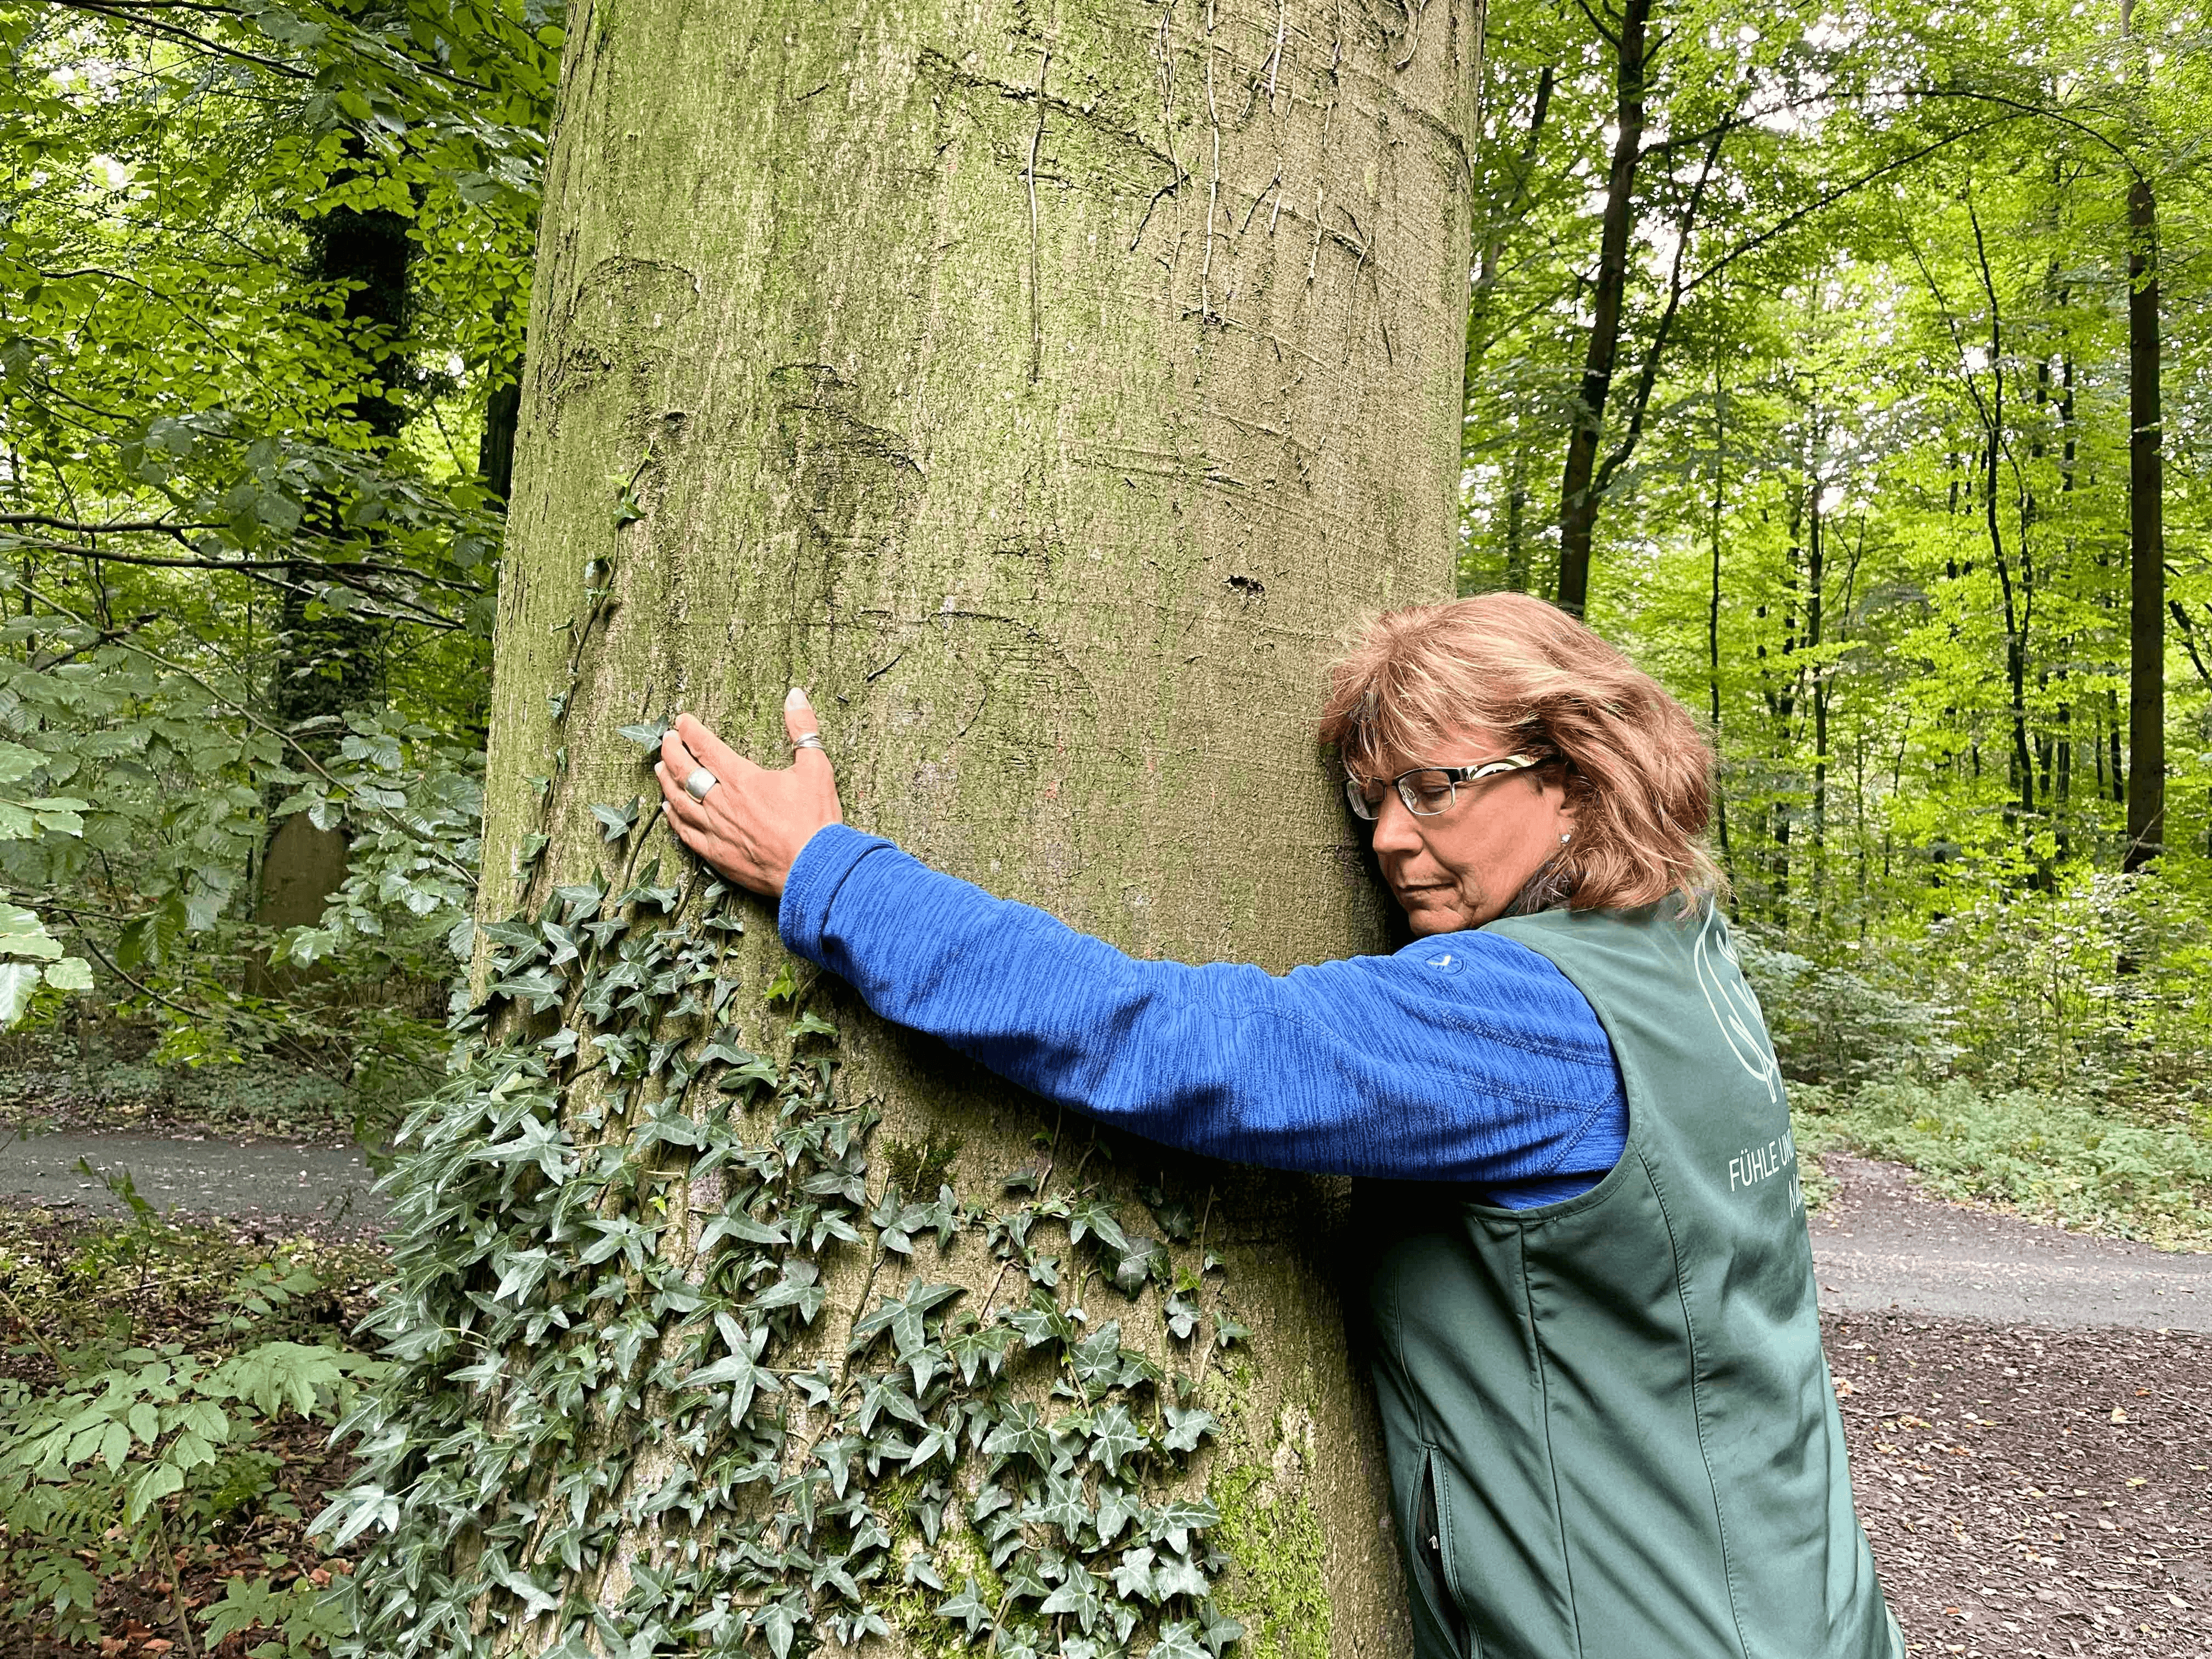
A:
(540, 988)
(615, 823)
(1097, 1360)
(1220, 1629)
(938, 1442)
(1139, 1264)
(1079, 1594)
(1182, 1316)
(1021, 1433)
(921, 1569)
(978, 1347)
(1133, 1577)
(740, 1369)
(1176, 1222)
(734, 1222)
(647, 736)
(1062, 1505)
(779, 1622)
(800, 1287)
(1176, 1520)
(888, 1392)
(1178, 1575)
(908, 1330)
(1186, 1428)
(1036, 1325)
(1178, 1641)
(1096, 1215)
(1115, 1435)
(1116, 1509)
(989, 1500)
(968, 1607)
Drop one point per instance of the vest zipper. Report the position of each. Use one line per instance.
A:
(1429, 1553)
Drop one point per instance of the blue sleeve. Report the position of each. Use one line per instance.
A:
(1466, 1057)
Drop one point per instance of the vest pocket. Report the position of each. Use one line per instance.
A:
(1432, 1555)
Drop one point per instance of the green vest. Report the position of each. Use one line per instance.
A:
(1610, 1428)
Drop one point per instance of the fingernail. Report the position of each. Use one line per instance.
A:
(793, 701)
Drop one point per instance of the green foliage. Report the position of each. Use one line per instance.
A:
(267, 273)
(305, 1619)
(117, 1453)
(625, 1409)
(2051, 1157)
(1865, 500)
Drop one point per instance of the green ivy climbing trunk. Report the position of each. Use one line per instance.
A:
(1047, 388)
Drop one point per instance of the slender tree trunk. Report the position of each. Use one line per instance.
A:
(1815, 625)
(1047, 389)
(2146, 541)
(323, 665)
(1577, 499)
(1713, 606)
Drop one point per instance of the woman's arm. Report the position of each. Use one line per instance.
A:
(1467, 1057)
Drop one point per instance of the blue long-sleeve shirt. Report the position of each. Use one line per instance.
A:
(1466, 1057)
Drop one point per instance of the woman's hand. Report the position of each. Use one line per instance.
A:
(752, 822)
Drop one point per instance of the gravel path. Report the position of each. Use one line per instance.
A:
(1880, 1242)
(326, 1188)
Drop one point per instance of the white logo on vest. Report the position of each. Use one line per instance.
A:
(1735, 1008)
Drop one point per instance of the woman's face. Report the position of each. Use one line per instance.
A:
(1462, 866)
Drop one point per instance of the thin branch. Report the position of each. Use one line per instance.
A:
(264, 573)
(251, 719)
(1648, 376)
(173, 32)
(1829, 198)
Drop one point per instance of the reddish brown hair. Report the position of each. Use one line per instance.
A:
(1638, 769)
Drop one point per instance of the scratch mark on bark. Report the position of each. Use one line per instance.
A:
(1037, 283)
(1205, 311)
(1168, 189)
(1274, 184)
(875, 674)
(1275, 58)
(1419, 9)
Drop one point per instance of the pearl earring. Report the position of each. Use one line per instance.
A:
(1564, 840)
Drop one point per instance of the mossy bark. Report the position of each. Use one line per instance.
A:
(1048, 387)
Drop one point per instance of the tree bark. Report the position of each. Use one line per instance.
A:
(1048, 391)
(2146, 541)
(1578, 496)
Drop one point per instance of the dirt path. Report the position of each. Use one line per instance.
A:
(321, 1187)
(1880, 1243)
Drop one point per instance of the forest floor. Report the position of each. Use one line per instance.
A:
(2029, 1411)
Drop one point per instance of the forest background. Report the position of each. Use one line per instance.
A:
(1849, 367)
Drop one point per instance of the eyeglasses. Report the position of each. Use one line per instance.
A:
(1429, 790)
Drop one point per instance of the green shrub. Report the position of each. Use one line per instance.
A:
(2050, 1157)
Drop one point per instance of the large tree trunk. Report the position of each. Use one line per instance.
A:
(1048, 391)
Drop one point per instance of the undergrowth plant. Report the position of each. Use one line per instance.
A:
(150, 1414)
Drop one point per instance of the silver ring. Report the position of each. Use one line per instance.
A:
(699, 783)
(807, 740)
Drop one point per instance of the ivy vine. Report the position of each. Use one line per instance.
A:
(627, 1415)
